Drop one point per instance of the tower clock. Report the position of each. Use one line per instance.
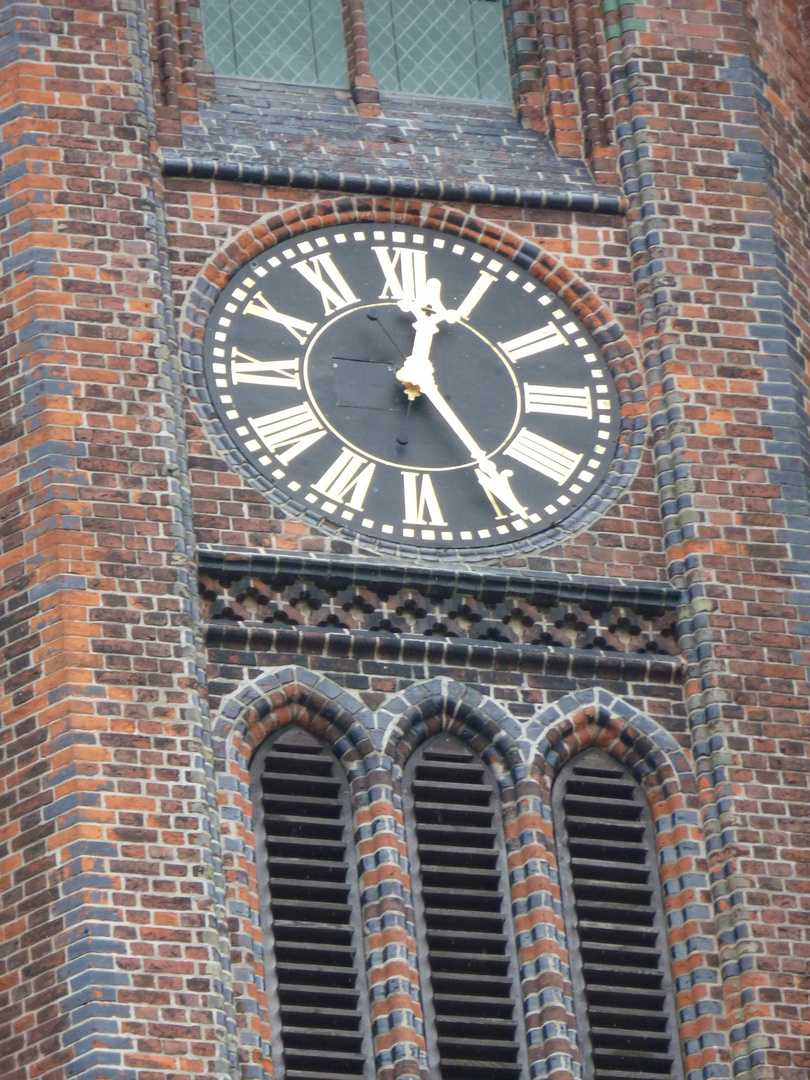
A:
(411, 386)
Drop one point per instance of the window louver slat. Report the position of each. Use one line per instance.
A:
(614, 919)
(312, 901)
(470, 993)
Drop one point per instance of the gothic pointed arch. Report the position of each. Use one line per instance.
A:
(297, 776)
(443, 705)
(632, 877)
(286, 696)
(459, 778)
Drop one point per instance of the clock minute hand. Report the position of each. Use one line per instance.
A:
(418, 378)
(495, 484)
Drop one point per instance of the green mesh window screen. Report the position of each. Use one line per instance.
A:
(298, 41)
(440, 48)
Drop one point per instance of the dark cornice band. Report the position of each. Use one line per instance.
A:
(489, 586)
(399, 187)
(365, 645)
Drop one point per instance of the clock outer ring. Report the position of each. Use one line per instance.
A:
(611, 480)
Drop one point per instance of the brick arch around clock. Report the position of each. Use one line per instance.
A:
(545, 265)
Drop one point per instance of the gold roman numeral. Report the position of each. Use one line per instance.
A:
(545, 337)
(562, 400)
(246, 369)
(543, 455)
(347, 479)
(405, 272)
(259, 305)
(465, 308)
(420, 498)
(321, 272)
(296, 428)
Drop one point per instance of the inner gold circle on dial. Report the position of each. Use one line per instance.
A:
(349, 372)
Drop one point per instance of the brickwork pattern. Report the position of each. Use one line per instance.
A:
(729, 424)
(103, 908)
(129, 943)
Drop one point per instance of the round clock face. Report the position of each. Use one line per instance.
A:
(411, 386)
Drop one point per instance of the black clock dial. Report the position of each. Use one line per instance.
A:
(411, 386)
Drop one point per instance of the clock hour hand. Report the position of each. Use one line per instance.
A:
(427, 306)
(428, 311)
(418, 367)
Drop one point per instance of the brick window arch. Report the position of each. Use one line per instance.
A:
(307, 874)
(614, 918)
(466, 947)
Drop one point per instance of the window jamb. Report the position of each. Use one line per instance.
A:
(594, 758)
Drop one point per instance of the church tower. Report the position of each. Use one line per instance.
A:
(404, 570)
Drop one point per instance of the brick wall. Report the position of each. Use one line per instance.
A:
(100, 866)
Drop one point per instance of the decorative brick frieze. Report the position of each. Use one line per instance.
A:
(526, 610)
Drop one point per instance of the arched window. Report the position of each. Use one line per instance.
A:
(442, 48)
(467, 962)
(614, 918)
(308, 888)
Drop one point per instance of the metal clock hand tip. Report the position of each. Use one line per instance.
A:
(497, 487)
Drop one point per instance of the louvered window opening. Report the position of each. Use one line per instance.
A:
(615, 923)
(467, 963)
(311, 891)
